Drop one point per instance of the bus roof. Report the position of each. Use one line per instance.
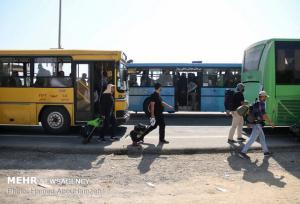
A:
(184, 65)
(273, 40)
(63, 52)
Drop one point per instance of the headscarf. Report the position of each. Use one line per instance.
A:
(108, 89)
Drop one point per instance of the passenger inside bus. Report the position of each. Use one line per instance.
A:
(83, 93)
(83, 79)
(82, 86)
(104, 80)
(228, 79)
(165, 79)
(145, 79)
(182, 90)
(60, 80)
(61, 74)
(192, 91)
(133, 80)
(40, 80)
(14, 80)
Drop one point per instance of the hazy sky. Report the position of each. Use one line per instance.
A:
(150, 30)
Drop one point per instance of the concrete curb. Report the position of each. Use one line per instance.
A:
(183, 114)
(130, 150)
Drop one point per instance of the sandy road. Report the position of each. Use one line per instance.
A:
(201, 178)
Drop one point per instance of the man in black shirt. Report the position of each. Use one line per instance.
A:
(237, 120)
(156, 110)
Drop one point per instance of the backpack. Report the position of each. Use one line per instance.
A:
(229, 99)
(243, 110)
(146, 107)
(251, 117)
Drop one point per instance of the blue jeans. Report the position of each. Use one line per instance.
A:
(257, 131)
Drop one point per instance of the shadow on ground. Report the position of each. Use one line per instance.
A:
(147, 159)
(254, 173)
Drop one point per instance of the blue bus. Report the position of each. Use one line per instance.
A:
(186, 86)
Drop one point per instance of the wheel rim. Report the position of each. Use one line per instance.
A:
(55, 120)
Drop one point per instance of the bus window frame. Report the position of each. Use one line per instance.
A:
(285, 45)
(24, 76)
(118, 71)
(259, 61)
(53, 56)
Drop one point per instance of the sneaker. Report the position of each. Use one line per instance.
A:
(243, 155)
(241, 139)
(268, 154)
(231, 141)
(164, 142)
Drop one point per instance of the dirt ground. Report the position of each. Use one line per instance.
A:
(201, 178)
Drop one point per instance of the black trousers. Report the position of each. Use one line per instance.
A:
(109, 123)
(160, 121)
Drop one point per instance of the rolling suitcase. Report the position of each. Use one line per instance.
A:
(137, 134)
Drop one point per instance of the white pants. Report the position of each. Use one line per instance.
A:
(237, 123)
(257, 131)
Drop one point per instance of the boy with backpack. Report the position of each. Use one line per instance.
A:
(259, 114)
(237, 120)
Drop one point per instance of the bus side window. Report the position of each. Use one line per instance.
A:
(165, 78)
(64, 76)
(210, 78)
(14, 80)
(297, 66)
(52, 72)
(14, 72)
(133, 80)
(145, 79)
(4, 74)
(287, 63)
(42, 74)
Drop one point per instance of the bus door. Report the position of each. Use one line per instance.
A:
(187, 90)
(83, 92)
(103, 74)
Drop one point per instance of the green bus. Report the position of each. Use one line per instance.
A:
(274, 66)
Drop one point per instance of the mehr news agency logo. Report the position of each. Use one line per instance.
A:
(45, 186)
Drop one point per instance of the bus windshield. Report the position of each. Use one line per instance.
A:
(252, 58)
(122, 78)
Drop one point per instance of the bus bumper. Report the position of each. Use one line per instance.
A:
(122, 117)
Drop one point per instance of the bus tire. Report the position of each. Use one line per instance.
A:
(55, 120)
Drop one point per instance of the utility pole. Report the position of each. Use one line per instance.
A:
(59, 27)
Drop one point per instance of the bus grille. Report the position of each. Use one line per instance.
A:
(289, 112)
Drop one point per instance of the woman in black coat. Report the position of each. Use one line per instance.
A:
(107, 111)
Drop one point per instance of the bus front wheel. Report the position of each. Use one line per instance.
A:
(55, 120)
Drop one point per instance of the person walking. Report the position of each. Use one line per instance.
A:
(260, 115)
(237, 120)
(107, 112)
(156, 110)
